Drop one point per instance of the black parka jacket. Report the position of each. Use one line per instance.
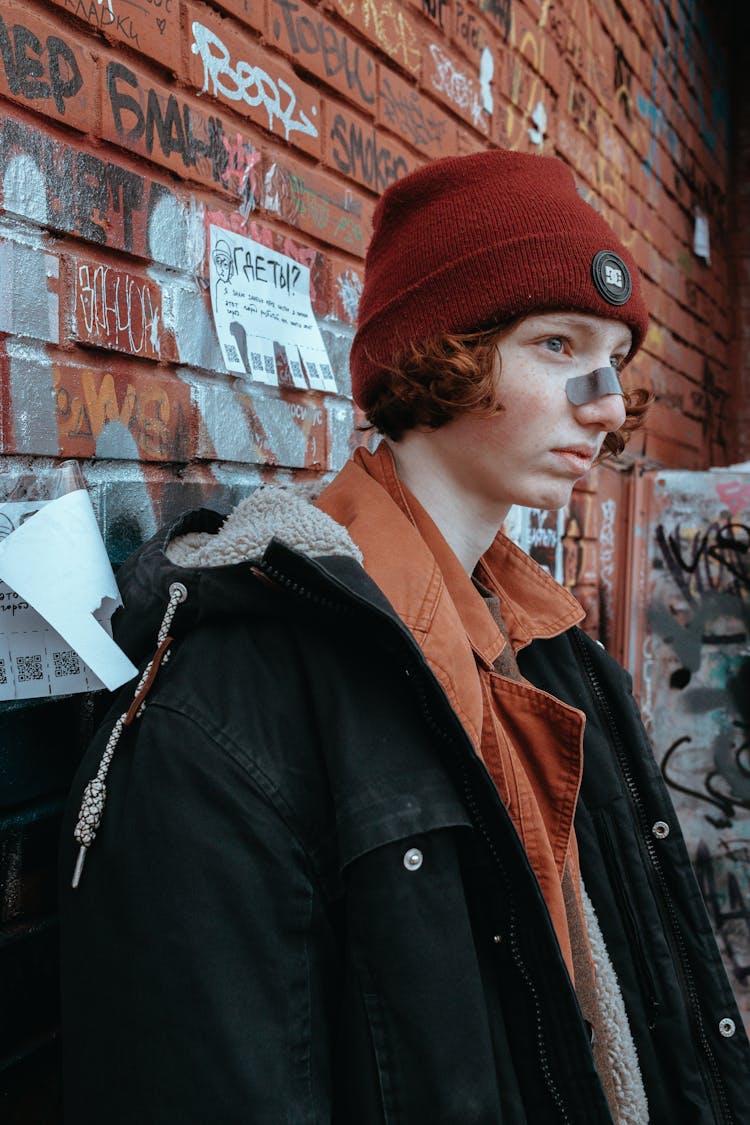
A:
(307, 904)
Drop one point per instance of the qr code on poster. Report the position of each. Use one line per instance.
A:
(66, 664)
(3, 673)
(29, 668)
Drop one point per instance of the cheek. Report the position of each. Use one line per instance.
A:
(537, 410)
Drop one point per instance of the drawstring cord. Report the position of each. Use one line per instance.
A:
(95, 793)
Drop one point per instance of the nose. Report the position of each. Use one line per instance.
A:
(607, 412)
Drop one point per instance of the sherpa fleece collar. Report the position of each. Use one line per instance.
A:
(271, 512)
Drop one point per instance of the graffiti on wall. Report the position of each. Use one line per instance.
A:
(361, 152)
(36, 69)
(240, 81)
(388, 25)
(116, 309)
(695, 676)
(321, 46)
(150, 26)
(74, 191)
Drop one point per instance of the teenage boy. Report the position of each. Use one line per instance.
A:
(384, 840)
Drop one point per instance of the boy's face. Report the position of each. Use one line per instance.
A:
(534, 451)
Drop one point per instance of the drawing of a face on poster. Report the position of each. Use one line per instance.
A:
(222, 260)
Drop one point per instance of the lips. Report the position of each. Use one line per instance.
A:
(585, 452)
(578, 458)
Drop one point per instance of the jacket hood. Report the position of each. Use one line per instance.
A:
(209, 554)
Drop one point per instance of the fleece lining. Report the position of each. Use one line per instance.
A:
(273, 512)
(614, 1049)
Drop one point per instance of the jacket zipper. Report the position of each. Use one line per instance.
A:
(629, 920)
(481, 826)
(329, 603)
(715, 1083)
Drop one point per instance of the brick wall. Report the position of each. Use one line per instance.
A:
(739, 236)
(127, 129)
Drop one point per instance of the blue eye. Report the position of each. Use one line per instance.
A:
(554, 344)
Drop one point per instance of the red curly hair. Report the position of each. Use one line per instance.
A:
(438, 379)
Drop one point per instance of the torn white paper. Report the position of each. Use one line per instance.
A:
(263, 316)
(486, 72)
(58, 586)
(701, 237)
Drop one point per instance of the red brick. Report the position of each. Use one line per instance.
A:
(355, 148)
(469, 141)
(499, 14)
(236, 71)
(52, 72)
(438, 12)
(640, 17)
(471, 33)
(115, 308)
(580, 104)
(511, 125)
(250, 12)
(177, 133)
(153, 406)
(318, 204)
(318, 45)
(153, 30)
(389, 27)
(666, 421)
(403, 110)
(447, 76)
(550, 64)
(576, 148)
(536, 47)
(523, 87)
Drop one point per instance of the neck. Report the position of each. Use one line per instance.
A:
(467, 522)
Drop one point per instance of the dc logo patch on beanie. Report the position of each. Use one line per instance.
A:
(611, 277)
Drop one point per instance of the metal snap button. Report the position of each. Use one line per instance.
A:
(660, 829)
(497, 938)
(727, 1027)
(413, 859)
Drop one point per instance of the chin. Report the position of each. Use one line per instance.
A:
(550, 501)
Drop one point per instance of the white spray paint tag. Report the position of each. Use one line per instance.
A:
(539, 119)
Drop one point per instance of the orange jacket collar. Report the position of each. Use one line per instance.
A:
(406, 555)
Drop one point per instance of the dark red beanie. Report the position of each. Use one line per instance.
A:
(471, 241)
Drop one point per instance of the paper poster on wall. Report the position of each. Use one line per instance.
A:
(263, 315)
(56, 604)
(34, 659)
